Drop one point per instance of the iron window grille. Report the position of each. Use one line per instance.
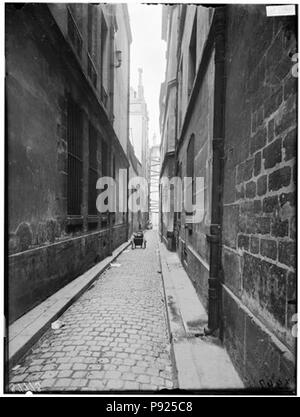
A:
(93, 170)
(75, 162)
(104, 172)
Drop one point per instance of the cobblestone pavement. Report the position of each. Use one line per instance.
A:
(114, 336)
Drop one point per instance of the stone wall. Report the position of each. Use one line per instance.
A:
(37, 273)
(259, 249)
(194, 249)
(47, 246)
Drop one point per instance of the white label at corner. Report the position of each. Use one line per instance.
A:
(282, 10)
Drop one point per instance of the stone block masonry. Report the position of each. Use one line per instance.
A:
(37, 273)
(236, 126)
(259, 249)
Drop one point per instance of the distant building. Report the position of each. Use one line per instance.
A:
(154, 171)
(139, 134)
(135, 170)
(67, 94)
(139, 120)
(168, 96)
(236, 127)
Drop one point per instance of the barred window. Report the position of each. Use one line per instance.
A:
(104, 173)
(104, 159)
(74, 139)
(93, 171)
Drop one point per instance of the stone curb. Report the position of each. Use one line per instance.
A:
(25, 331)
(173, 326)
(200, 362)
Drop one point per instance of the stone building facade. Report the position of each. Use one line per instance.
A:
(236, 128)
(135, 219)
(168, 115)
(154, 175)
(139, 135)
(67, 65)
(139, 124)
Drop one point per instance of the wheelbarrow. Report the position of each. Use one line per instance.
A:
(138, 239)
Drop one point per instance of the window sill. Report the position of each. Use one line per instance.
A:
(92, 218)
(74, 220)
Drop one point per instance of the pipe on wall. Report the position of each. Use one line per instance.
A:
(215, 236)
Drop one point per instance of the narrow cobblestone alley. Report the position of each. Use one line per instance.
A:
(174, 123)
(114, 337)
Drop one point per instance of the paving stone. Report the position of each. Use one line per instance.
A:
(79, 374)
(112, 374)
(138, 369)
(78, 383)
(143, 379)
(18, 378)
(169, 383)
(79, 366)
(152, 372)
(96, 385)
(131, 386)
(51, 367)
(109, 367)
(63, 382)
(114, 384)
(123, 368)
(115, 335)
(129, 376)
(156, 380)
(49, 374)
(129, 362)
(96, 375)
(64, 374)
(47, 383)
(148, 387)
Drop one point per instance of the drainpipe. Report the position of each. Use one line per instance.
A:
(215, 236)
(128, 234)
(110, 214)
(112, 62)
(127, 206)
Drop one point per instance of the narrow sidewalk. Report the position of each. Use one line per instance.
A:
(25, 331)
(201, 361)
(113, 338)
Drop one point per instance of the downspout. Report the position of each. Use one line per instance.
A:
(215, 236)
(112, 29)
(128, 140)
(127, 205)
(111, 109)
